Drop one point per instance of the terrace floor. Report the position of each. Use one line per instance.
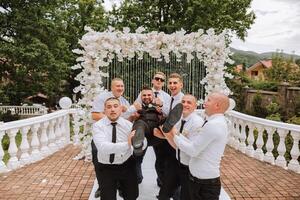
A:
(61, 177)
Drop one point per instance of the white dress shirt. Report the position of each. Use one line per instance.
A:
(102, 136)
(98, 104)
(206, 147)
(192, 125)
(177, 100)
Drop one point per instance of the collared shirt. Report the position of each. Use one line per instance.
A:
(206, 147)
(102, 136)
(177, 100)
(98, 104)
(191, 127)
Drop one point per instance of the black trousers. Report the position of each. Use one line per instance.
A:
(124, 175)
(171, 179)
(95, 161)
(204, 189)
(184, 182)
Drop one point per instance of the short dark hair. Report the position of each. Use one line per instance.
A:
(111, 99)
(146, 87)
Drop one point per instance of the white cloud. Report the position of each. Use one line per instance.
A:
(277, 26)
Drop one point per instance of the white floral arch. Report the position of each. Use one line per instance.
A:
(100, 48)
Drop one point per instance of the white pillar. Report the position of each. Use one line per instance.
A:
(35, 143)
(236, 135)
(269, 157)
(242, 145)
(13, 162)
(294, 164)
(24, 147)
(259, 154)
(250, 149)
(3, 167)
(58, 133)
(45, 151)
(52, 144)
(280, 160)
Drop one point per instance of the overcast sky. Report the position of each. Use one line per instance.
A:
(277, 26)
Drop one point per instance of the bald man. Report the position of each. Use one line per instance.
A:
(206, 149)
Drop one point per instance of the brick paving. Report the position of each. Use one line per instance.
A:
(60, 177)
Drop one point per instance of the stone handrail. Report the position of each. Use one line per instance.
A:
(24, 110)
(248, 132)
(41, 136)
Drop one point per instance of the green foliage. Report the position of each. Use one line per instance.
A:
(169, 16)
(294, 120)
(5, 145)
(7, 117)
(258, 109)
(283, 69)
(36, 43)
(264, 85)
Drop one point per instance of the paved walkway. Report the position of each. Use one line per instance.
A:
(61, 177)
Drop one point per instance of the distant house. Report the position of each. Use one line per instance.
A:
(256, 71)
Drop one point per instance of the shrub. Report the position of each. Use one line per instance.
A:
(8, 117)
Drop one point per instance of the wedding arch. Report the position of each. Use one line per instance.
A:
(99, 49)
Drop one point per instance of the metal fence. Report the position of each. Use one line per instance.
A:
(137, 73)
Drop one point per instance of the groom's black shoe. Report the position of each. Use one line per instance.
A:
(97, 193)
(173, 117)
(138, 140)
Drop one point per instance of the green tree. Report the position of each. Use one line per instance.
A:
(169, 15)
(36, 42)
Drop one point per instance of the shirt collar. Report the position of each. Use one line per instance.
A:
(177, 96)
(107, 121)
(188, 117)
(214, 116)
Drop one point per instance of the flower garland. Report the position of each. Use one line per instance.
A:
(100, 48)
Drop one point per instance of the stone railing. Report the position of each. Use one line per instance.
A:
(25, 110)
(256, 136)
(41, 136)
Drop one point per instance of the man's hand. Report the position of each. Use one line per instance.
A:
(124, 108)
(130, 137)
(137, 105)
(158, 133)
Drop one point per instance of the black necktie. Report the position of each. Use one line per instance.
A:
(155, 94)
(180, 131)
(172, 100)
(204, 123)
(113, 140)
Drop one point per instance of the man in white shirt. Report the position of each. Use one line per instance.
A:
(189, 125)
(117, 90)
(167, 154)
(206, 149)
(112, 136)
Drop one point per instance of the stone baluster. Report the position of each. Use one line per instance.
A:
(268, 157)
(24, 147)
(3, 167)
(45, 151)
(280, 160)
(236, 135)
(242, 145)
(230, 129)
(35, 143)
(52, 144)
(259, 154)
(58, 133)
(294, 164)
(250, 139)
(67, 129)
(13, 162)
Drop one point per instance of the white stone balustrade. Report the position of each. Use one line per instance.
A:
(25, 110)
(41, 136)
(256, 128)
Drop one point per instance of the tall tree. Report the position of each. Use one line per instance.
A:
(36, 42)
(172, 15)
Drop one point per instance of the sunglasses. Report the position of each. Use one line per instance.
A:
(159, 79)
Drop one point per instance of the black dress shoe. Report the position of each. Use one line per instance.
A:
(97, 193)
(138, 139)
(173, 117)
